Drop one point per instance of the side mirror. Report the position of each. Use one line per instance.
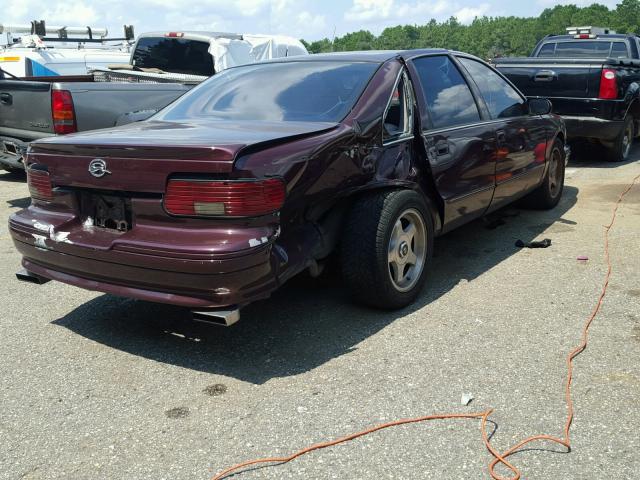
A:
(539, 106)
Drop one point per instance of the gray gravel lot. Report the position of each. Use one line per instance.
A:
(99, 387)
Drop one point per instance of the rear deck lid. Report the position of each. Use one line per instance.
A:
(140, 157)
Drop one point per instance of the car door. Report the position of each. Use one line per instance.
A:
(461, 148)
(521, 137)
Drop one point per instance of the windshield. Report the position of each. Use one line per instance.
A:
(290, 91)
(584, 49)
(174, 55)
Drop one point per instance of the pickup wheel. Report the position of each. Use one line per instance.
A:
(386, 248)
(548, 194)
(621, 148)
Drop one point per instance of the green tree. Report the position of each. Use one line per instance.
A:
(488, 37)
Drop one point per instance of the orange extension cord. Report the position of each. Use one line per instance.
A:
(498, 457)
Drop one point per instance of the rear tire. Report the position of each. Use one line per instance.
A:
(386, 248)
(548, 194)
(621, 148)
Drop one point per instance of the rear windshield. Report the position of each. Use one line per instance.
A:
(174, 55)
(584, 49)
(290, 91)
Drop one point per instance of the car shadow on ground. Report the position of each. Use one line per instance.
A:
(307, 322)
(14, 177)
(19, 202)
(593, 155)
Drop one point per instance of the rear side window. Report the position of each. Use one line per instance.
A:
(502, 99)
(174, 55)
(398, 119)
(448, 96)
(619, 50)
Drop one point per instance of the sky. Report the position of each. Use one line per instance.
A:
(311, 20)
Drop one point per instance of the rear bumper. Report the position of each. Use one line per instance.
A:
(592, 127)
(222, 280)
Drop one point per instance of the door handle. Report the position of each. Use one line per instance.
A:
(501, 136)
(6, 98)
(442, 149)
(545, 76)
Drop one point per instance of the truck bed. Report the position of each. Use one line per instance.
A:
(26, 112)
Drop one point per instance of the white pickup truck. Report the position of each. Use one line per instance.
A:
(162, 67)
(46, 50)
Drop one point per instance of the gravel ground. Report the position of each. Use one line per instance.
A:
(99, 387)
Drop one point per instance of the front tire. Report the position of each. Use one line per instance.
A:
(387, 247)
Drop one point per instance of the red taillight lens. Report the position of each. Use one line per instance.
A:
(40, 186)
(608, 85)
(224, 198)
(64, 117)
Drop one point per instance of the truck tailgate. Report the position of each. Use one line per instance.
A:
(25, 109)
(546, 77)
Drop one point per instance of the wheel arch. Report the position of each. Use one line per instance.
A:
(433, 201)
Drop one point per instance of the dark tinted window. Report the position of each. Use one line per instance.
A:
(175, 55)
(547, 50)
(501, 98)
(289, 91)
(590, 49)
(448, 96)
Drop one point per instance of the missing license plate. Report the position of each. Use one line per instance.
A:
(107, 211)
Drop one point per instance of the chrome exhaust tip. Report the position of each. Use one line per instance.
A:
(26, 276)
(223, 318)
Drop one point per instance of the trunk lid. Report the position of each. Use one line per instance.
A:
(140, 157)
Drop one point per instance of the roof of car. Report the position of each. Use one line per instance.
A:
(373, 56)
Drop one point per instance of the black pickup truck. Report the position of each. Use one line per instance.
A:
(592, 77)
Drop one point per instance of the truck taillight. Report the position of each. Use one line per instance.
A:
(224, 198)
(40, 186)
(608, 85)
(64, 117)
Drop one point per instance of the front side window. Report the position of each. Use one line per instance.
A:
(502, 99)
(446, 92)
(398, 119)
(304, 91)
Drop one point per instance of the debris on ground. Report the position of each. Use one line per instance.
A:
(537, 244)
(466, 399)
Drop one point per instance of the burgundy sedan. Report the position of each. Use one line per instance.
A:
(266, 170)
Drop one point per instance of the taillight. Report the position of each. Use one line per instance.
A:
(64, 117)
(608, 85)
(39, 183)
(224, 198)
